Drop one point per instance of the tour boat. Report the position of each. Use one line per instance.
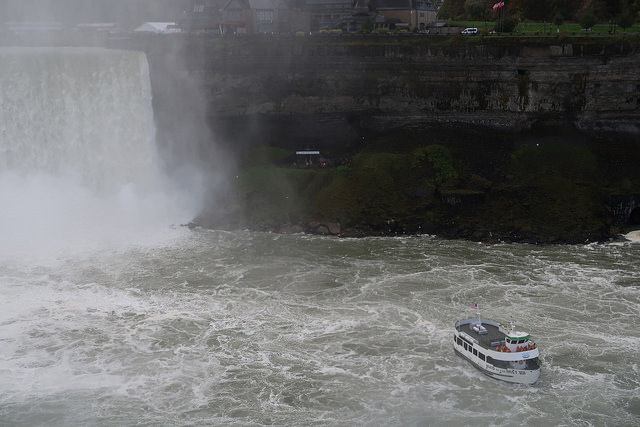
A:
(497, 350)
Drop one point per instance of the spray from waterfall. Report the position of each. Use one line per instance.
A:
(79, 165)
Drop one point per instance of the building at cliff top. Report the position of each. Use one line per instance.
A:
(290, 16)
(407, 14)
(351, 15)
(244, 17)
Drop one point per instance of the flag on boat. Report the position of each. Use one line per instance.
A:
(498, 5)
(474, 305)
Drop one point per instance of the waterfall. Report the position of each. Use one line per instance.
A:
(78, 160)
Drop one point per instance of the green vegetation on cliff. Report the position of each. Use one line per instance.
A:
(458, 183)
(622, 12)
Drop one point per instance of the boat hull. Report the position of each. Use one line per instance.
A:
(516, 376)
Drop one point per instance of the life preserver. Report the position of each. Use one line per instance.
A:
(504, 348)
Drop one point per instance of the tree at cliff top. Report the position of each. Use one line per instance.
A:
(602, 9)
(478, 10)
(626, 20)
(588, 20)
(566, 8)
(451, 9)
(542, 10)
(535, 10)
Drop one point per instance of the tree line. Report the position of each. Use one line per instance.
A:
(587, 12)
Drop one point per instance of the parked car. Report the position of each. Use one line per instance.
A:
(470, 31)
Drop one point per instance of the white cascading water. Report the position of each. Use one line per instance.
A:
(79, 167)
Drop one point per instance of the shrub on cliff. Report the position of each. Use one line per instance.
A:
(554, 193)
(440, 160)
(367, 26)
(588, 20)
(370, 191)
(531, 163)
(507, 24)
(626, 20)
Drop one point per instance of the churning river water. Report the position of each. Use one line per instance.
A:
(242, 328)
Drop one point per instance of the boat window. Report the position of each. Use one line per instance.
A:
(533, 363)
(465, 346)
(481, 356)
(498, 363)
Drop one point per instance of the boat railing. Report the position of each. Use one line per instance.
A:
(468, 337)
(496, 344)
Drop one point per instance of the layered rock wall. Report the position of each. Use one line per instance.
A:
(376, 83)
(374, 102)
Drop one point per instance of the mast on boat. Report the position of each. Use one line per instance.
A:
(478, 326)
(477, 308)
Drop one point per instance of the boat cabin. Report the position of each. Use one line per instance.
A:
(517, 341)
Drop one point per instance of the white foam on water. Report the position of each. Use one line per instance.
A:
(48, 216)
(633, 236)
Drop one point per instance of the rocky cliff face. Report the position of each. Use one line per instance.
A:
(360, 99)
(377, 83)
